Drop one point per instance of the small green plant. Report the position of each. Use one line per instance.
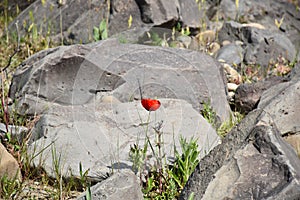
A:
(9, 187)
(186, 162)
(101, 32)
(84, 182)
(226, 126)
(167, 181)
(209, 114)
(32, 27)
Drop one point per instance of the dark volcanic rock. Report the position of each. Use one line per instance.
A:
(282, 103)
(67, 75)
(253, 162)
(74, 20)
(265, 13)
(261, 46)
(231, 54)
(248, 95)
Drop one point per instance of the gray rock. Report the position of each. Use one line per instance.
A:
(88, 109)
(265, 13)
(261, 46)
(190, 14)
(14, 130)
(70, 75)
(12, 6)
(78, 18)
(282, 103)
(73, 21)
(123, 185)
(159, 12)
(231, 54)
(100, 135)
(253, 162)
(248, 95)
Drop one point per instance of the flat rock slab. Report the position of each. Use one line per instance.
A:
(123, 185)
(87, 99)
(100, 135)
(282, 102)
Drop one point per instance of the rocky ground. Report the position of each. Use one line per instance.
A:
(84, 95)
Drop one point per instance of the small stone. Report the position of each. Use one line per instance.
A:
(226, 42)
(185, 40)
(294, 140)
(232, 86)
(206, 37)
(214, 47)
(231, 95)
(232, 75)
(8, 165)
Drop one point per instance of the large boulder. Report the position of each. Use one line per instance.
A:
(253, 162)
(265, 13)
(73, 21)
(86, 98)
(261, 45)
(72, 75)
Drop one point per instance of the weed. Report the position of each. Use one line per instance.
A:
(209, 114)
(226, 126)
(129, 21)
(279, 23)
(167, 184)
(101, 32)
(186, 162)
(9, 187)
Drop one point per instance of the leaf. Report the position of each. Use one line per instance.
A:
(237, 4)
(129, 21)
(96, 34)
(103, 29)
(88, 193)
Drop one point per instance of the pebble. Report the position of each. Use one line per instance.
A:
(232, 75)
(232, 86)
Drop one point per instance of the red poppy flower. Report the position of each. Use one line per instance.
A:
(148, 104)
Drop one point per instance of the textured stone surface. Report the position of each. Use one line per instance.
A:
(253, 162)
(261, 46)
(100, 134)
(70, 75)
(248, 95)
(265, 13)
(282, 103)
(9, 167)
(79, 17)
(121, 185)
(89, 109)
(231, 54)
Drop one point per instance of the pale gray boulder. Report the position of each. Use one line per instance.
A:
(88, 101)
(71, 75)
(121, 185)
